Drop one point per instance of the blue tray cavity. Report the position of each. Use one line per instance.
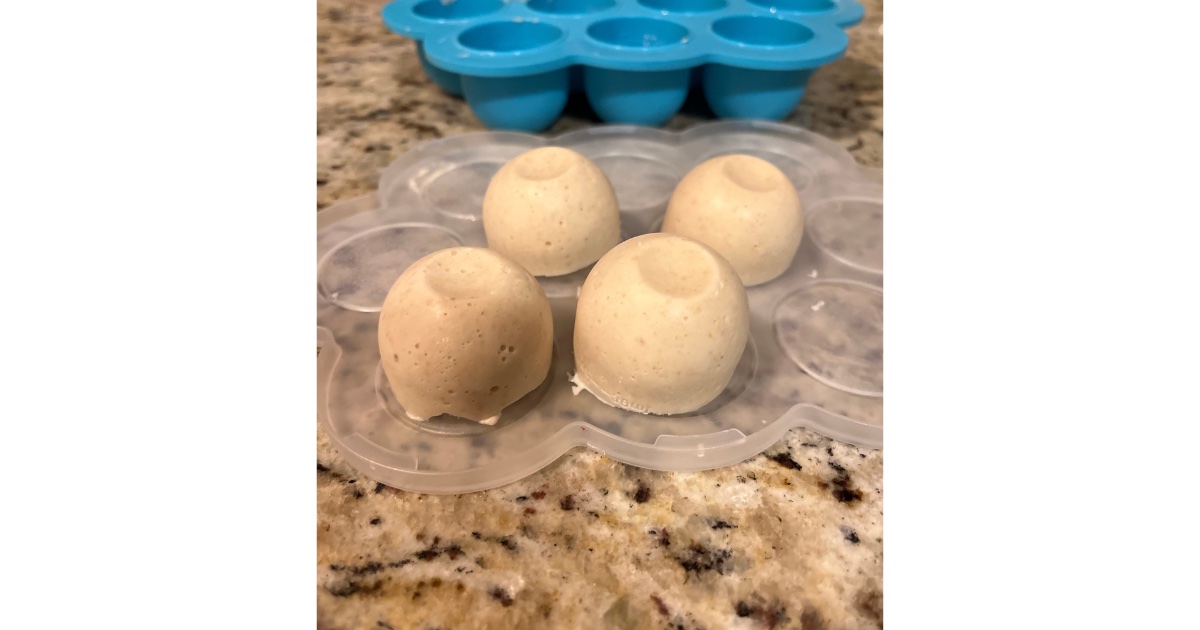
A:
(516, 61)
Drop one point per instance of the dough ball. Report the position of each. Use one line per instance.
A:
(661, 325)
(744, 208)
(464, 331)
(552, 210)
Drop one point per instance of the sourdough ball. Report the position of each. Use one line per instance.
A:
(552, 210)
(743, 207)
(661, 325)
(464, 331)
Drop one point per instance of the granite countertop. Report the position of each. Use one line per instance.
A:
(792, 538)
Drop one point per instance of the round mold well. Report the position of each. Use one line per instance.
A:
(762, 32)
(683, 7)
(458, 192)
(358, 273)
(833, 331)
(509, 37)
(570, 7)
(795, 6)
(642, 183)
(459, 10)
(849, 230)
(637, 32)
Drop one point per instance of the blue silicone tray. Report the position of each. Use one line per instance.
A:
(516, 61)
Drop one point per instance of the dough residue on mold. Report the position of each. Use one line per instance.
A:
(579, 384)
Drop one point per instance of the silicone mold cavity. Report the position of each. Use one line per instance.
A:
(509, 37)
(762, 31)
(441, 11)
(637, 32)
(570, 7)
(806, 363)
(667, 7)
(797, 6)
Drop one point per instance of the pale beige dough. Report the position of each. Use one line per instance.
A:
(661, 324)
(552, 210)
(743, 207)
(464, 331)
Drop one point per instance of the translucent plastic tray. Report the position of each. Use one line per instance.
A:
(814, 358)
(515, 61)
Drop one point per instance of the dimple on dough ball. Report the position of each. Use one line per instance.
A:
(464, 331)
(661, 324)
(552, 210)
(744, 208)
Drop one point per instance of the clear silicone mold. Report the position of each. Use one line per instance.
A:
(814, 357)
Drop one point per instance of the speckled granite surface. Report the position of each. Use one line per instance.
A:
(790, 539)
